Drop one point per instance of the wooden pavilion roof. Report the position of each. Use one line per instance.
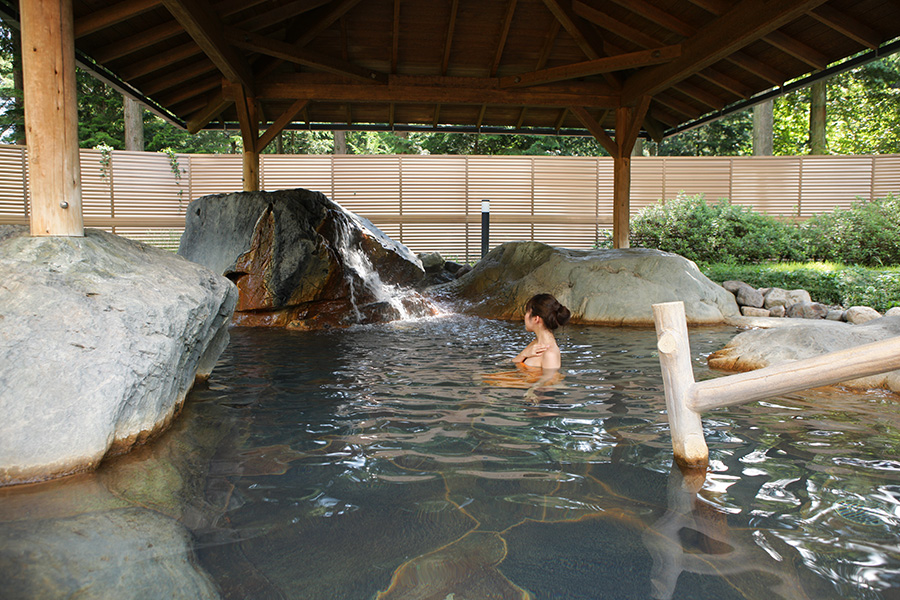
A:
(547, 65)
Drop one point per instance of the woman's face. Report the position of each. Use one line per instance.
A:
(529, 321)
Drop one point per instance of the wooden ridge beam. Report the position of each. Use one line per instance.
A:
(748, 21)
(110, 15)
(203, 25)
(629, 60)
(290, 53)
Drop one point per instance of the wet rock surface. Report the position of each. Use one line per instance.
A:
(101, 339)
(760, 348)
(608, 287)
(301, 261)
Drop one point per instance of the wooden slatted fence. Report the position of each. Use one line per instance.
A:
(433, 203)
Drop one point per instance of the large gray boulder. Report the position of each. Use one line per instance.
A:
(607, 287)
(760, 348)
(101, 338)
(300, 260)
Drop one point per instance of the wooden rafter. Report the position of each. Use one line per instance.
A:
(847, 25)
(629, 60)
(110, 15)
(748, 21)
(547, 47)
(280, 14)
(395, 41)
(448, 38)
(203, 25)
(301, 56)
(504, 33)
(664, 19)
(798, 50)
(337, 10)
(560, 119)
(586, 38)
(177, 77)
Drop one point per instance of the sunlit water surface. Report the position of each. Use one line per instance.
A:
(377, 462)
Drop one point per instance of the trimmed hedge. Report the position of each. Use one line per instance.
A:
(828, 283)
(867, 234)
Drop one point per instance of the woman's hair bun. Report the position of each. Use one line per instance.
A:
(548, 308)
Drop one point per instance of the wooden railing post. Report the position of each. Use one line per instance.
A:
(685, 426)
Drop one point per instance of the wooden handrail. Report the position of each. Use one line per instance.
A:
(686, 399)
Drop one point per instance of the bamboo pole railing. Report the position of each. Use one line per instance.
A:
(686, 399)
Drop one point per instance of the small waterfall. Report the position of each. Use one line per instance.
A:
(360, 270)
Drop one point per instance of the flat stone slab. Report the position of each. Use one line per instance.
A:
(795, 339)
(604, 287)
(101, 338)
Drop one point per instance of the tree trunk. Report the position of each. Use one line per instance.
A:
(279, 143)
(763, 124)
(134, 125)
(340, 142)
(817, 118)
(19, 136)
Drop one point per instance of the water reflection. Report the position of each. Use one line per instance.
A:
(373, 462)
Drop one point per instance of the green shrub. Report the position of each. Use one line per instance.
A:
(867, 234)
(721, 232)
(829, 283)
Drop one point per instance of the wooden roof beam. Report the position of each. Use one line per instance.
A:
(110, 15)
(586, 38)
(177, 77)
(798, 50)
(664, 19)
(847, 25)
(628, 60)
(162, 32)
(428, 90)
(280, 123)
(448, 40)
(747, 22)
(395, 43)
(290, 53)
(281, 14)
(596, 129)
(337, 9)
(504, 33)
(203, 25)
(642, 39)
(547, 47)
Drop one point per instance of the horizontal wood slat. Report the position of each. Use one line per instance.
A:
(433, 203)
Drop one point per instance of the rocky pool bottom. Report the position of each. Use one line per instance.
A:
(378, 462)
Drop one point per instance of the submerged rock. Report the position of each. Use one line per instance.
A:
(124, 553)
(607, 287)
(760, 348)
(299, 260)
(101, 338)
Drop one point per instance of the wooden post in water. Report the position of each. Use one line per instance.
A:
(51, 117)
(685, 426)
(686, 399)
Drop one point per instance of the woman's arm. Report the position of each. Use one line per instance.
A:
(532, 349)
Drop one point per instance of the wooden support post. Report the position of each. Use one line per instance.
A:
(628, 126)
(51, 117)
(685, 426)
(249, 121)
